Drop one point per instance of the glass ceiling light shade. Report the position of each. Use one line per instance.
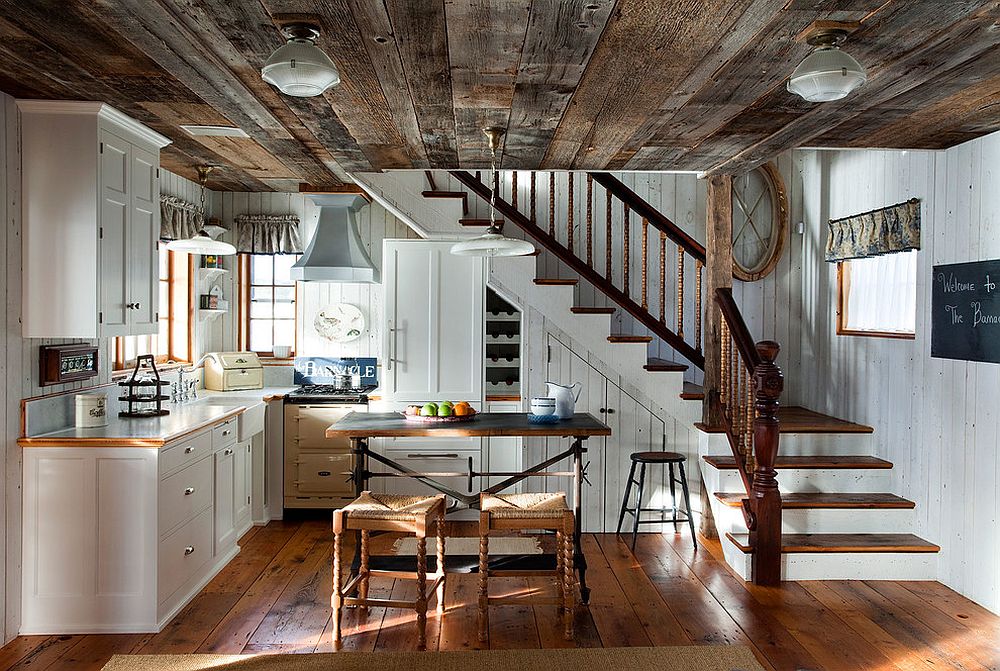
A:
(299, 68)
(827, 73)
(493, 242)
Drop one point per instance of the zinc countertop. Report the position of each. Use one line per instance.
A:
(184, 419)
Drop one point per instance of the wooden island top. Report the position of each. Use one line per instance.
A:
(485, 424)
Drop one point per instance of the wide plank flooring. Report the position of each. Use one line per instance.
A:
(275, 597)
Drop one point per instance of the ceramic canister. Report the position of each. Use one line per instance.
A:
(91, 410)
(543, 405)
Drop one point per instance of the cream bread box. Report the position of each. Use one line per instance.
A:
(233, 371)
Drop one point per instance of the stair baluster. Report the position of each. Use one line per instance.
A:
(625, 245)
(590, 220)
(569, 212)
(552, 204)
(680, 291)
(645, 263)
(663, 278)
(532, 198)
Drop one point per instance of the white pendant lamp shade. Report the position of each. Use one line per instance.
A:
(827, 73)
(203, 243)
(492, 244)
(299, 68)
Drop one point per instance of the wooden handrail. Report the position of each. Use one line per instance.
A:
(656, 218)
(737, 327)
(552, 244)
(751, 385)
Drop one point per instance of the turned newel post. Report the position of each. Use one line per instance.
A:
(765, 500)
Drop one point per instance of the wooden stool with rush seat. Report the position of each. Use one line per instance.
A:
(523, 512)
(395, 513)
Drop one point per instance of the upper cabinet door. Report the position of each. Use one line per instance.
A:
(143, 234)
(115, 204)
(433, 348)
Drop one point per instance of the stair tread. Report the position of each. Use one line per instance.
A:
(843, 543)
(693, 392)
(810, 500)
(796, 419)
(619, 338)
(663, 366)
(443, 194)
(556, 282)
(808, 461)
(586, 310)
(471, 221)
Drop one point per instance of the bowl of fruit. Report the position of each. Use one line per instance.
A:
(443, 411)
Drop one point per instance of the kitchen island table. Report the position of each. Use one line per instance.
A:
(361, 427)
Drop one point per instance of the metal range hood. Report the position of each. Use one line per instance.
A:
(336, 253)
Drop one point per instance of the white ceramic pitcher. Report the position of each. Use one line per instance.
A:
(565, 398)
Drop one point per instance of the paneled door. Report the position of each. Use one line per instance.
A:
(433, 347)
(115, 161)
(634, 428)
(143, 234)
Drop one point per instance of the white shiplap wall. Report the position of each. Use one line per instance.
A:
(375, 224)
(935, 419)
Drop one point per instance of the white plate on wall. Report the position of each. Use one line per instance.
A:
(340, 323)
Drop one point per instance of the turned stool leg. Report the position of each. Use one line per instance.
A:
(338, 599)
(568, 589)
(421, 605)
(484, 567)
(560, 581)
(440, 562)
(365, 574)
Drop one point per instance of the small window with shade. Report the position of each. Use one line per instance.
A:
(877, 296)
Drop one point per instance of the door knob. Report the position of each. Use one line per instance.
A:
(603, 410)
(611, 411)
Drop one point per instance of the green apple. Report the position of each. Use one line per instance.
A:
(446, 403)
(429, 410)
(445, 410)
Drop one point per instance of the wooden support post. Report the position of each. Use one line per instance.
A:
(765, 500)
(719, 274)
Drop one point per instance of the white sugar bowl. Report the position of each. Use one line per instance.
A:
(543, 405)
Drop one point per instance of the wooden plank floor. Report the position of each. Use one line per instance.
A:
(274, 597)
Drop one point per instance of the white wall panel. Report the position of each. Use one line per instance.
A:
(935, 419)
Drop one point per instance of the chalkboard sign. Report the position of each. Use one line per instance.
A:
(965, 311)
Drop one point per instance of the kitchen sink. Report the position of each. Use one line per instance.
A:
(248, 424)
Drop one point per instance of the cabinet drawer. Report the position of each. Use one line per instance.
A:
(184, 494)
(323, 473)
(185, 451)
(430, 462)
(224, 435)
(410, 445)
(183, 553)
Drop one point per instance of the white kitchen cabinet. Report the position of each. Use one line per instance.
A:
(242, 484)
(433, 348)
(90, 203)
(119, 539)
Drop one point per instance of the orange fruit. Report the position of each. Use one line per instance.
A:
(463, 409)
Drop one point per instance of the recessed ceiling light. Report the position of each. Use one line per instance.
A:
(214, 131)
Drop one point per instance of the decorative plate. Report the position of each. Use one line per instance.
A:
(450, 419)
(340, 323)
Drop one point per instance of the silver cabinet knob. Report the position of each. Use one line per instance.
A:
(189, 491)
(228, 451)
(188, 550)
(188, 450)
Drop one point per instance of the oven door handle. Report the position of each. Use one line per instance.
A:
(432, 456)
(390, 347)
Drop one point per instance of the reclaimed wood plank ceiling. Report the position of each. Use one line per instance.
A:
(580, 84)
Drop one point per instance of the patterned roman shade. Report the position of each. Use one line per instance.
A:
(268, 234)
(883, 231)
(179, 219)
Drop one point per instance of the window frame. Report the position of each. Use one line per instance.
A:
(245, 291)
(842, 329)
(119, 362)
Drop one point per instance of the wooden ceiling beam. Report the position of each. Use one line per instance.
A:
(485, 38)
(422, 40)
(376, 34)
(558, 43)
(960, 33)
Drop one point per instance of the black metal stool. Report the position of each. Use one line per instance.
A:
(669, 458)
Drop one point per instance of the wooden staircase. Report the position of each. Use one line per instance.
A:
(835, 512)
